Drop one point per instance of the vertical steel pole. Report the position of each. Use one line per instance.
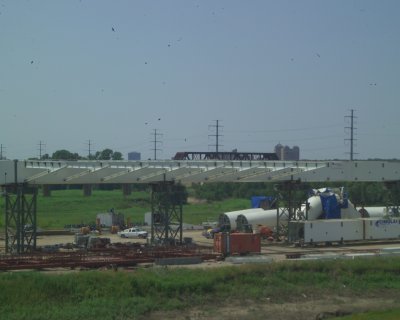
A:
(18, 204)
(34, 208)
(7, 213)
(152, 213)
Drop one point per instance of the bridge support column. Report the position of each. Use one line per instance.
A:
(20, 222)
(87, 190)
(46, 189)
(126, 189)
(166, 213)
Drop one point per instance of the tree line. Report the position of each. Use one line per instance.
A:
(106, 154)
(359, 193)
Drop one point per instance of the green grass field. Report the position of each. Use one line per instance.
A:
(71, 207)
(133, 295)
(392, 314)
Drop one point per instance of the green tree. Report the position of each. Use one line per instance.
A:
(117, 156)
(108, 154)
(65, 155)
(104, 155)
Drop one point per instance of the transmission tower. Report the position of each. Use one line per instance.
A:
(41, 146)
(2, 152)
(217, 135)
(352, 129)
(89, 144)
(156, 135)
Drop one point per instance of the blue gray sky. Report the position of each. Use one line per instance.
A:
(272, 72)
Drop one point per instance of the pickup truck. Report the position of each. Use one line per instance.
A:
(133, 233)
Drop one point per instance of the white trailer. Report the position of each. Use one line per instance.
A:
(382, 228)
(340, 230)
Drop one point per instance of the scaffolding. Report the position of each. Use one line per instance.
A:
(20, 219)
(166, 213)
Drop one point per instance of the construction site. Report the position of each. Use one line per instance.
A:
(327, 225)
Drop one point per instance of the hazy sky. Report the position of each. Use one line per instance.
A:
(271, 71)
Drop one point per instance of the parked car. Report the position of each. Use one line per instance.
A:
(133, 233)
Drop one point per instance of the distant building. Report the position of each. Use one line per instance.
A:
(287, 153)
(134, 155)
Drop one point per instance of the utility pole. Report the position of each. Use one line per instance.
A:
(1, 151)
(89, 143)
(41, 144)
(351, 139)
(155, 142)
(217, 135)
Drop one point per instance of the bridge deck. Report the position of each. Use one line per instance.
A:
(101, 172)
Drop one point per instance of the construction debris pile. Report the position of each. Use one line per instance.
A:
(108, 255)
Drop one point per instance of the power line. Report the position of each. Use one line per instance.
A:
(217, 135)
(351, 139)
(308, 128)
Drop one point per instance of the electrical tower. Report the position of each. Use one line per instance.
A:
(2, 152)
(41, 146)
(89, 144)
(351, 139)
(156, 142)
(217, 135)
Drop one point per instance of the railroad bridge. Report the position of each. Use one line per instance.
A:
(20, 179)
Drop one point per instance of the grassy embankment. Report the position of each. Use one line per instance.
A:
(132, 295)
(393, 314)
(71, 207)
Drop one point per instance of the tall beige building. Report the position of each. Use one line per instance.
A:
(287, 153)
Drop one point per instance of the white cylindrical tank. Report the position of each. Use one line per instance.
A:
(375, 212)
(350, 212)
(227, 220)
(314, 207)
(268, 218)
(263, 217)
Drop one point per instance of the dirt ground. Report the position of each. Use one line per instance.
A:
(305, 309)
(43, 240)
